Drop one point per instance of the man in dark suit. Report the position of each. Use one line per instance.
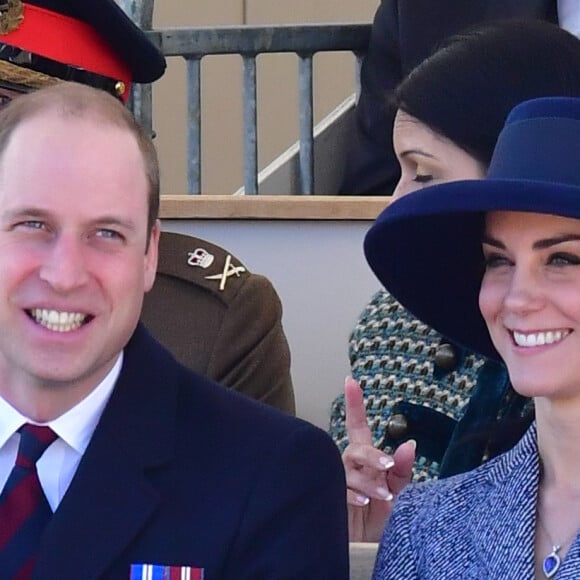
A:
(206, 326)
(150, 470)
(405, 32)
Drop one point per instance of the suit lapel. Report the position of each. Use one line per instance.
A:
(98, 517)
(110, 498)
(508, 516)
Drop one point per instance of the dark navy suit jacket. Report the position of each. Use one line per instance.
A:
(183, 472)
(404, 33)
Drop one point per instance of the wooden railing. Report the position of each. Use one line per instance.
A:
(273, 207)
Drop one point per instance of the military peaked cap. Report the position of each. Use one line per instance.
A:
(88, 41)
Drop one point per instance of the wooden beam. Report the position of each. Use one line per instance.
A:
(272, 207)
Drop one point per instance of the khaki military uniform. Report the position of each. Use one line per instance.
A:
(220, 320)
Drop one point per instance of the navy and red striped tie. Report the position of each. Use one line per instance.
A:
(24, 510)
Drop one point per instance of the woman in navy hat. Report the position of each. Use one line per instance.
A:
(510, 249)
(416, 383)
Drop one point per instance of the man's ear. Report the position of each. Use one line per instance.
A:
(151, 256)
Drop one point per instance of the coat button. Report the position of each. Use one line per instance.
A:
(445, 357)
(397, 426)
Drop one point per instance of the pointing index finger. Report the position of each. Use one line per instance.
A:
(356, 417)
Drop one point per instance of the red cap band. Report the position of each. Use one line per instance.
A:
(66, 40)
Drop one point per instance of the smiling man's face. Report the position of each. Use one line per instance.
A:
(74, 255)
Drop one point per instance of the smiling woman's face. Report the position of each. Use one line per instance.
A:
(530, 299)
(427, 158)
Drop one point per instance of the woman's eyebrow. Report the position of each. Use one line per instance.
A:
(549, 242)
(492, 242)
(407, 152)
(539, 245)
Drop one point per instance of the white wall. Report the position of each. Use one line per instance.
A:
(320, 273)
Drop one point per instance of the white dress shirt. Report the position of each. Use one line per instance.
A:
(58, 464)
(569, 15)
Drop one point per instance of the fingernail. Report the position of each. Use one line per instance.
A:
(385, 493)
(412, 443)
(346, 379)
(386, 462)
(362, 499)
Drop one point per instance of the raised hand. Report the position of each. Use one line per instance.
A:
(374, 479)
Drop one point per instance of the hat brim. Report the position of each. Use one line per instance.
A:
(146, 62)
(131, 44)
(425, 248)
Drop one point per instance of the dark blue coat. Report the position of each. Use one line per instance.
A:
(404, 33)
(183, 472)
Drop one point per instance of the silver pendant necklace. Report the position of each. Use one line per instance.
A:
(551, 563)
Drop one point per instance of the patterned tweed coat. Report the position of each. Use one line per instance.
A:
(394, 357)
(476, 526)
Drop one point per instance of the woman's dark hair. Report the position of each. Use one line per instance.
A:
(465, 90)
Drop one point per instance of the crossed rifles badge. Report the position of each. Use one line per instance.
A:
(203, 259)
(11, 15)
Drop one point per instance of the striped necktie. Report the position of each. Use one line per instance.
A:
(24, 511)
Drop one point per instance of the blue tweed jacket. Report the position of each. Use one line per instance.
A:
(479, 525)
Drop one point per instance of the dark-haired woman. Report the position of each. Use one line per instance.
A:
(450, 110)
(510, 245)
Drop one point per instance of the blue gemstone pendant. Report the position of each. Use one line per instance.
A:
(551, 563)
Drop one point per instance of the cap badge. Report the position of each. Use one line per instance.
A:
(228, 271)
(120, 88)
(200, 258)
(11, 15)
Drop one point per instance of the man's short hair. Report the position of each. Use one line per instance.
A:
(76, 100)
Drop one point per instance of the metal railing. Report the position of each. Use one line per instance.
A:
(193, 44)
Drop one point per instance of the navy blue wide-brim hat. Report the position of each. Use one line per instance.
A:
(88, 41)
(426, 247)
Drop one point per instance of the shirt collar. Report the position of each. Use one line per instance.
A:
(569, 16)
(77, 425)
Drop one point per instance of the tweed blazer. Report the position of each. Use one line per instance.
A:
(479, 525)
(392, 356)
(459, 408)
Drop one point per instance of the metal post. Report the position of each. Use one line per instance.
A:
(250, 126)
(194, 125)
(306, 125)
